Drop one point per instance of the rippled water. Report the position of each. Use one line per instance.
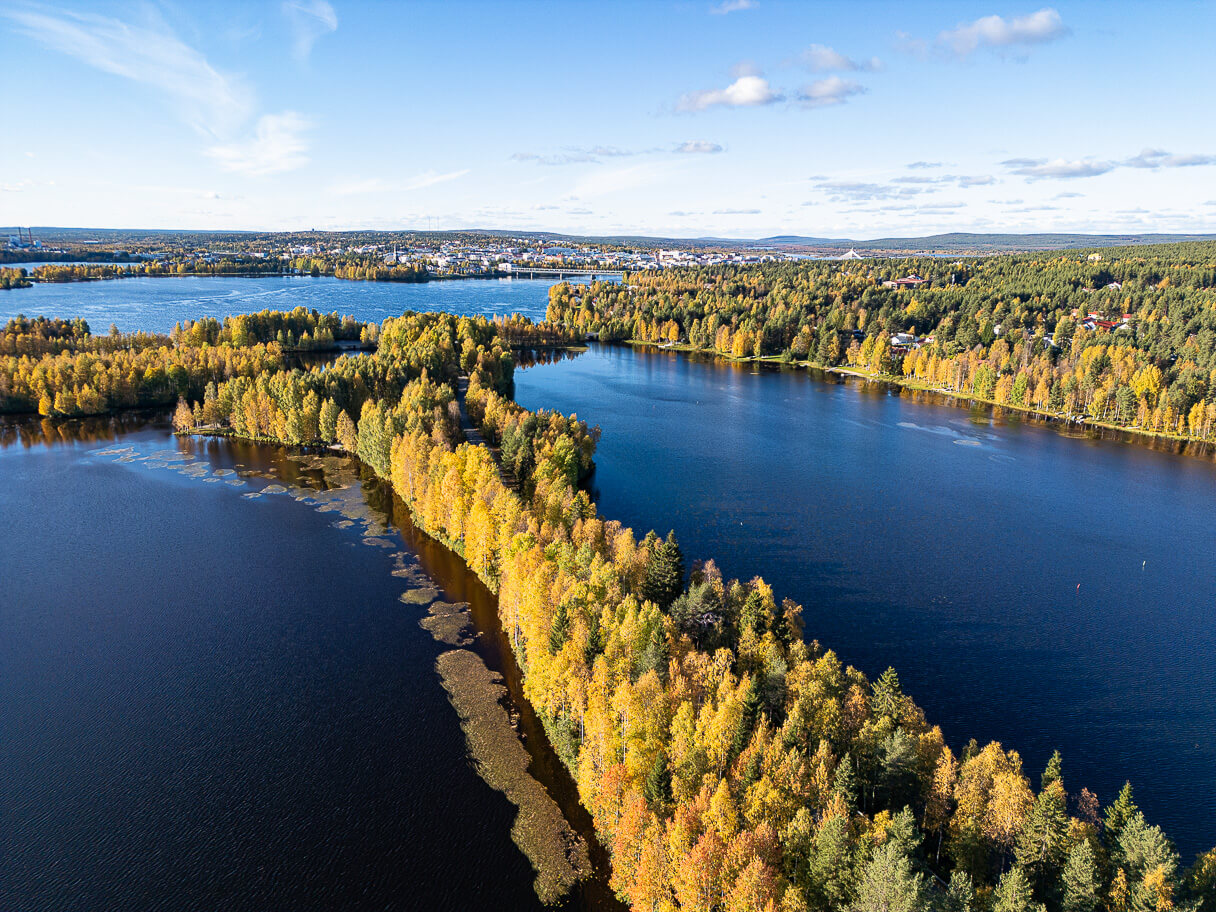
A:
(155, 304)
(215, 692)
(1043, 589)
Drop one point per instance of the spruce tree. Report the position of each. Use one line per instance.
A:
(658, 785)
(664, 579)
(1080, 879)
(1013, 893)
(1118, 814)
(559, 630)
(1054, 771)
(890, 883)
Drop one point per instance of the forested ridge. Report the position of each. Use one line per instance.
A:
(58, 368)
(1122, 336)
(728, 762)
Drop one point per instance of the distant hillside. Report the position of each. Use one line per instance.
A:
(954, 244)
(959, 242)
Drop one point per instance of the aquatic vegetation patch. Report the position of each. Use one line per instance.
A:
(558, 854)
(448, 622)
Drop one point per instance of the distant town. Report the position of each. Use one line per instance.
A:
(460, 254)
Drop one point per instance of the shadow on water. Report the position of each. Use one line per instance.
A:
(293, 470)
(459, 584)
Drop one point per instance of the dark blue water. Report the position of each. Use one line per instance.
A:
(155, 304)
(947, 544)
(215, 701)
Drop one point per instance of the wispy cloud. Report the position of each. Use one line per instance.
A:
(829, 91)
(147, 53)
(575, 155)
(959, 180)
(418, 182)
(614, 180)
(924, 164)
(997, 32)
(1156, 158)
(747, 91)
(698, 147)
(310, 20)
(823, 59)
(736, 212)
(854, 191)
(732, 6)
(1058, 168)
(277, 145)
(431, 178)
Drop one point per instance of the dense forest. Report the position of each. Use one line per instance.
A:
(728, 760)
(1124, 336)
(14, 278)
(60, 369)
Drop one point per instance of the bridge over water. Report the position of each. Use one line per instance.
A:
(538, 272)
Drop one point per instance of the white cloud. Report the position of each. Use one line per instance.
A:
(732, 6)
(276, 146)
(746, 91)
(310, 20)
(1157, 158)
(830, 91)
(736, 212)
(823, 59)
(997, 32)
(698, 147)
(917, 165)
(149, 54)
(1058, 168)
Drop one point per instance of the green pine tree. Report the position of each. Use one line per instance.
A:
(890, 883)
(664, 579)
(1013, 893)
(1054, 771)
(1080, 879)
(1118, 814)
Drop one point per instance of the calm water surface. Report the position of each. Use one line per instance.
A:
(212, 698)
(155, 304)
(947, 544)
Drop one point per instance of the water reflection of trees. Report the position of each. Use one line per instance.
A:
(533, 357)
(31, 432)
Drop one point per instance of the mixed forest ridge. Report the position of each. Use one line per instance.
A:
(1123, 338)
(728, 762)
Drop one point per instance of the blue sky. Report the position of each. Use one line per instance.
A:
(738, 118)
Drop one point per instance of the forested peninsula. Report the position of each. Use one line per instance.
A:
(728, 761)
(1122, 337)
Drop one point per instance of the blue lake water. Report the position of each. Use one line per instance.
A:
(192, 682)
(211, 696)
(1040, 589)
(156, 304)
